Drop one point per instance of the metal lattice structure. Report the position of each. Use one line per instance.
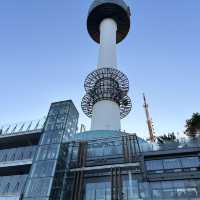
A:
(106, 84)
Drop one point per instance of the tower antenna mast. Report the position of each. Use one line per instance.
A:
(152, 136)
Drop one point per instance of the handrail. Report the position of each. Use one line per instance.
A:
(22, 127)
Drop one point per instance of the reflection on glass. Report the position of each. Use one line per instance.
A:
(187, 189)
(99, 189)
(188, 162)
(100, 149)
(176, 163)
(38, 187)
(12, 185)
(171, 164)
(22, 153)
(48, 152)
(43, 169)
(154, 165)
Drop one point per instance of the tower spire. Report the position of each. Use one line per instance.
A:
(152, 136)
(106, 100)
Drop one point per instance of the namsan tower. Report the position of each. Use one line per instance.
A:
(106, 101)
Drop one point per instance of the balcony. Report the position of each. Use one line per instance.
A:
(17, 154)
(16, 159)
(21, 134)
(11, 187)
(22, 128)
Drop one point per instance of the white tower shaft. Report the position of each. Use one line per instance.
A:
(107, 51)
(106, 114)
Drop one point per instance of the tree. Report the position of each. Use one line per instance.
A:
(193, 125)
(166, 138)
(168, 141)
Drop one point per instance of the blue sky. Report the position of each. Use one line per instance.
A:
(46, 53)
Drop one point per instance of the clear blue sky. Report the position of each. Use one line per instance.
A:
(46, 53)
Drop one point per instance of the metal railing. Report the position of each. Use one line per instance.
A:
(22, 127)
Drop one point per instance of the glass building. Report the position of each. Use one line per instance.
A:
(107, 165)
(57, 163)
(33, 155)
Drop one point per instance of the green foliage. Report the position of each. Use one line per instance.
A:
(166, 138)
(193, 125)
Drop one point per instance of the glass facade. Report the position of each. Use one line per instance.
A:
(97, 189)
(173, 164)
(12, 185)
(97, 165)
(134, 189)
(183, 189)
(107, 166)
(17, 154)
(46, 176)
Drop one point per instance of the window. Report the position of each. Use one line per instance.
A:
(43, 169)
(171, 164)
(154, 165)
(52, 138)
(38, 187)
(98, 189)
(95, 150)
(173, 189)
(16, 187)
(189, 162)
(176, 163)
(130, 189)
(48, 152)
(144, 190)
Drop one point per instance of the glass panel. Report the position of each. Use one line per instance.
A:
(12, 184)
(50, 124)
(181, 192)
(144, 191)
(113, 148)
(48, 152)
(171, 164)
(154, 165)
(52, 138)
(157, 193)
(95, 150)
(43, 169)
(188, 162)
(169, 193)
(98, 189)
(75, 153)
(38, 187)
(192, 192)
(130, 187)
(22, 153)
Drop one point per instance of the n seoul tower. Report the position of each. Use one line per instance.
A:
(106, 101)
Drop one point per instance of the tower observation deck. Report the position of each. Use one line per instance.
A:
(106, 100)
